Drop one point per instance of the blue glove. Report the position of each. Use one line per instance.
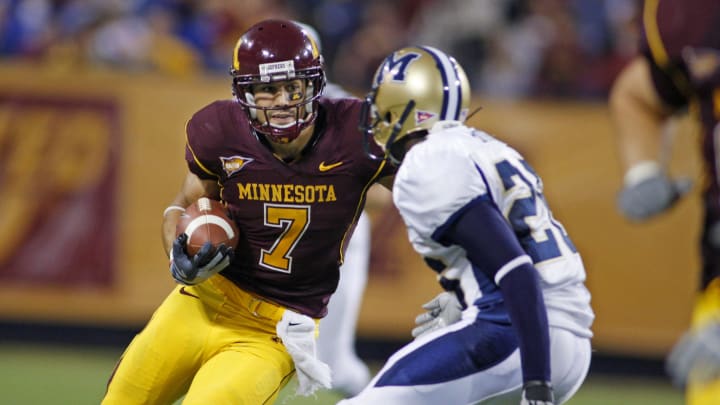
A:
(537, 393)
(649, 191)
(206, 263)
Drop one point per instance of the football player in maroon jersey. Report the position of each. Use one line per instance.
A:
(679, 66)
(291, 169)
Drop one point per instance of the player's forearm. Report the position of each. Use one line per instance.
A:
(169, 223)
(637, 114)
(525, 304)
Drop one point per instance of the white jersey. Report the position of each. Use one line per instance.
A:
(455, 165)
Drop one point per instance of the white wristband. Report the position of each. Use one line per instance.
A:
(641, 171)
(173, 208)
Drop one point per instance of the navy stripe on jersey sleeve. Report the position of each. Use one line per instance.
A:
(490, 245)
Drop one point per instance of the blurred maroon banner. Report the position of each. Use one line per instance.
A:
(59, 159)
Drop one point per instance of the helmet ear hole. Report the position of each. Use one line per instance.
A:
(388, 117)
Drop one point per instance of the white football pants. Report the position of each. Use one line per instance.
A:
(471, 363)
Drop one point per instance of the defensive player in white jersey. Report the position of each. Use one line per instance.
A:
(514, 323)
(336, 342)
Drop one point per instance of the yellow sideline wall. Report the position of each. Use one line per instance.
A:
(642, 276)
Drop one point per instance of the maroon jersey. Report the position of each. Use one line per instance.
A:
(295, 218)
(681, 39)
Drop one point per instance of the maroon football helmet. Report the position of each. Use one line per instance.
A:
(277, 50)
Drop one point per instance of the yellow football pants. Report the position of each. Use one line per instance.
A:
(707, 308)
(213, 342)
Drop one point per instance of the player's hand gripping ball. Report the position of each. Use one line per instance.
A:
(205, 242)
(207, 220)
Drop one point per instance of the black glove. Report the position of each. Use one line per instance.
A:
(537, 393)
(649, 191)
(207, 262)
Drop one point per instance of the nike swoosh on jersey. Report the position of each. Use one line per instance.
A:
(323, 167)
(189, 294)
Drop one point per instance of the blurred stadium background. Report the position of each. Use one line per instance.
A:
(94, 95)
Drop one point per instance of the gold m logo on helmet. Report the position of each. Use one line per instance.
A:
(397, 66)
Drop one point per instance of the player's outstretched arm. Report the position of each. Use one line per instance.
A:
(638, 114)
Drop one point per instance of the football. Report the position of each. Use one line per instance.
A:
(207, 220)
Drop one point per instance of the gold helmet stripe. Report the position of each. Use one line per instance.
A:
(236, 62)
(657, 49)
(452, 85)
